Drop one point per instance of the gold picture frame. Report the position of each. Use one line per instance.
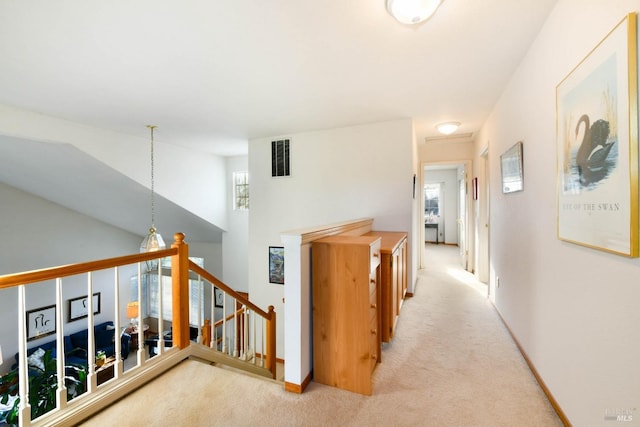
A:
(597, 146)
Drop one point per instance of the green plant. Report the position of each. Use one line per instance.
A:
(43, 384)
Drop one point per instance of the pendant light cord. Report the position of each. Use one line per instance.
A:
(153, 201)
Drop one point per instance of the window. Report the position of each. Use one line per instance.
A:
(432, 200)
(150, 293)
(241, 190)
(280, 158)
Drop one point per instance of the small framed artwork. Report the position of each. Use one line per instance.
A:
(218, 297)
(597, 146)
(276, 265)
(511, 167)
(41, 322)
(79, 307)
(414, 185)
(474, 184)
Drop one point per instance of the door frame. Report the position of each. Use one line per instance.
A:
(469, 231)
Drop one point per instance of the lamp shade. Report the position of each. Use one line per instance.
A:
(1, 360)
(132, 310)
(448, 128)
(412, 11)
(152, 242)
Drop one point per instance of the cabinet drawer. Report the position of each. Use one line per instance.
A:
(373, 285)
(374, 345)
(375, 255)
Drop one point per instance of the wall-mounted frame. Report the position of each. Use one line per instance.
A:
(597, 146)
(79, 307)
(41, 322)
(511, 165)
(474, 184)
(414, 185)
(276, 265)
(218, 297)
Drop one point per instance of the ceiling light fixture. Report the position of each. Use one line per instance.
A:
(153, 242)
(412, 11)
(448, 128)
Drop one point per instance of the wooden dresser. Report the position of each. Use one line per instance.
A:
(346, 325)
(393, 278)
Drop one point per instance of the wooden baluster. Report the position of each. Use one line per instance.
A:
(253, 325)
(61, 393)
(180, 292)
(224, 323)
(91, 340)
(244, 349)
(160, 312)
(199, 340)
(117, 334)
(214, 328)
(245, 329)
(235, 331)
(23, 374)
(140, 353)
(271, 341)
(263, 333)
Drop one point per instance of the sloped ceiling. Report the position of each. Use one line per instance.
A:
(63, 174)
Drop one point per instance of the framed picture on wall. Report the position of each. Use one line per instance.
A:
(41, 322)
(276, 265)
(512, 171)
(218, 297)
(79, 307)
(597, 146)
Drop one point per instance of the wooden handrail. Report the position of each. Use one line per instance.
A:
(270, 316)
(229, 317)
(11, 280)
(226, 289)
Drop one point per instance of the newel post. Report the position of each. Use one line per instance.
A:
(271, 342)
(180, 290)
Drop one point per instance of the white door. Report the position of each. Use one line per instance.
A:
(462, 219)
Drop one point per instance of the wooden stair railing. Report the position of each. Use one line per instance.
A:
(122, 382)
(237, 331)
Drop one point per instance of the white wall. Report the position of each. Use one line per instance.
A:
(573, 309)
(38, 234)
(336, 175)
(236, 239)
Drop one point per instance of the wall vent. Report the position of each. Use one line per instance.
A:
(456, 137)
(280, 158)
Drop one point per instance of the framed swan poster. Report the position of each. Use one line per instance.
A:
(597, 146)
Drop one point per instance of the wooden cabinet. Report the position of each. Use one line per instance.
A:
(393, 278)
(346, 339)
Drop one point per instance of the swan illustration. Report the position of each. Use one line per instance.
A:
(593, 151)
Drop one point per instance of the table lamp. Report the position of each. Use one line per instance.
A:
(132, 312)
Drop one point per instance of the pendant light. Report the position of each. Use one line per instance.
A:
(153, 242)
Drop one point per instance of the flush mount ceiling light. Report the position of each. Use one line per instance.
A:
(448, 128)
(412, 11)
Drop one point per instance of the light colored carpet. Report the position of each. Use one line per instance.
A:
(451, 363)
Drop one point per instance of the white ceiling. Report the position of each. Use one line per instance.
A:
(213, 74)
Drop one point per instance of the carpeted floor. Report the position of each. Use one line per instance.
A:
(451, 363)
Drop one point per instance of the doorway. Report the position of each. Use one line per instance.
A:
(449, 221)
